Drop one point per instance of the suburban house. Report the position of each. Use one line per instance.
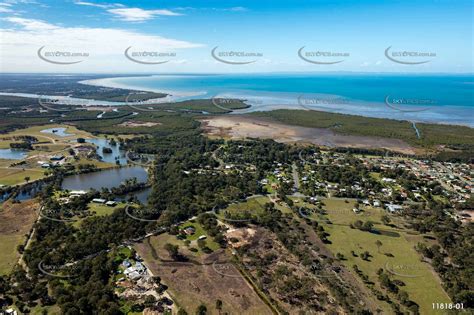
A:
(99, 200)
(393, 208)
(135, 272)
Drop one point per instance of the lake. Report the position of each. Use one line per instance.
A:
(141, 195)
(106, 178)
(116, 154)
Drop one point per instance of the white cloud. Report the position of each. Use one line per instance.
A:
(105, 46)
(10, 2)
(238, 9)
(5, 10)
(30, 24)
(139, 15)
(90, 4)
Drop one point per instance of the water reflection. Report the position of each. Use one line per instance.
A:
(12, 154)
(106, 178)
(61, 132)
(141, 196)
(115, 155)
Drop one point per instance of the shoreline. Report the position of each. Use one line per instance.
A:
(265, 101)
(360, 105)
(107, 82)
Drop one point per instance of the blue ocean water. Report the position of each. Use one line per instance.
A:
(429, 98)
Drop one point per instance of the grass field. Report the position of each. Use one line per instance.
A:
(193, 238)
(8, 244)
(99, 210)
(35, 131)
(102, 210)
(16, 220)
(16, 176)
(252, 206)
(421, 282)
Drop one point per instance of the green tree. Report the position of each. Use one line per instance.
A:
(385, 219)
(172, 250)
(378, 243)
(219, 305)
(201, 310)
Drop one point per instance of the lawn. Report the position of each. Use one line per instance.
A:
(98, 164)
(16, 176)
(194, 237)
(35, 131)
(253, 206)
(9, 256)
(421, 283)
(99, 209)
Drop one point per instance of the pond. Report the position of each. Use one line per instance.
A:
(106, 178)
(61, 132)
(12, 154)
(116, 154)
(141, 195)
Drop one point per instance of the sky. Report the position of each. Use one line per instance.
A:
(75, 36)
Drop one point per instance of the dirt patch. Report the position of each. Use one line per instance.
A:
(17, 218)
(284, 278)
(240, 236)
(134, 124)
(203, 281)
(240, 127)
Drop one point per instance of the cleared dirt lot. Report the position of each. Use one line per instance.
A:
(202, 280)
(239, 127)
